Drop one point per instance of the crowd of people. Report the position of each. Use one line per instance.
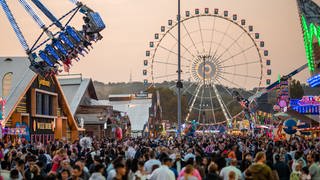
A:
(211, 157)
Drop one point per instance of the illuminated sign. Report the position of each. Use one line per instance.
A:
(310, 32)
(44, 125)
(2, 109)
(309, 100)
(306, 105)
(43, 82)
(15, 131)
(314, 81)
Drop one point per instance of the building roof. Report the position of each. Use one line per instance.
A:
(75, 88)
(22, 76)
(22, 79)
(90, 119)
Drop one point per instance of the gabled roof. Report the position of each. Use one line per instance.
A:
(21, 79)
(75, 88)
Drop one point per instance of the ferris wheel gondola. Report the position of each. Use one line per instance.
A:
(63, 46)
(221, 55)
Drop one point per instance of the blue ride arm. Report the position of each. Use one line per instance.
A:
(14, 25)
(32, 13)
(46, 11)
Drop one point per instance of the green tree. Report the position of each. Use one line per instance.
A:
(296, 90)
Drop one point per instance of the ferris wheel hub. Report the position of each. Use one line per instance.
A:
(205, 68)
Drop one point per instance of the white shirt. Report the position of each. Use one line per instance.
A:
(226, 170)
(148, 165)
(162, 173)
(131, 153)
(111, 174)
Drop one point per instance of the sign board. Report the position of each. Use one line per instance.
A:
(306, 105)
(2, 108)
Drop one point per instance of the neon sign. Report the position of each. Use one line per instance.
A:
(306, 105)
(309, 100)
(309, 33)
(314, 80)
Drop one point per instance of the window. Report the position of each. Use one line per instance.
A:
(44, 104)
(39, 103)
(6, 84)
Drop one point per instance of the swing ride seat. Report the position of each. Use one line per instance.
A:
(60, 48)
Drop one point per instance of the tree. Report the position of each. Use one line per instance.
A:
(296, 90)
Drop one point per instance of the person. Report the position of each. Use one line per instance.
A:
(14, 175)
(224, 173)
(296, 174)
(232, 153)
(76, 173)
(4, 171)
(282, 168)
(305, 174)
(178, 163)
(314, 168)
(65, 174)
(152, 161)
(247, 161)
(212, 172)
(120, 171)
(84, 174)
(140, 173)
(97, 174)
(188, 173)
(164, 171)
(259, 170)
(195, 171)
(58, 158)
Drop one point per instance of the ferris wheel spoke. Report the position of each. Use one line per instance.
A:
(235, 41)
(189, 60)
(193, 100)
(212, 107)
(212, 35)
(222, 39)
(201, 101)
(165, 76)
(190, 37)
(240, 64)
(227, 90)
(186, 89)
(201, 35)
(224, 109)
(184, 47)
(241, 75)
(167, 63)
(237, 54)
(233, 83)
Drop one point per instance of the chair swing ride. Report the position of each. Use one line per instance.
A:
(60, 48)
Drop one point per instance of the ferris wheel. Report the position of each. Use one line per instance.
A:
(223, 61)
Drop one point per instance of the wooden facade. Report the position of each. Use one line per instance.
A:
(43, 108)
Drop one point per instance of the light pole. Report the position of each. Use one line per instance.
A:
(179, 83)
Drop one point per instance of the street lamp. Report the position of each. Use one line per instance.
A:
(179, 83)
